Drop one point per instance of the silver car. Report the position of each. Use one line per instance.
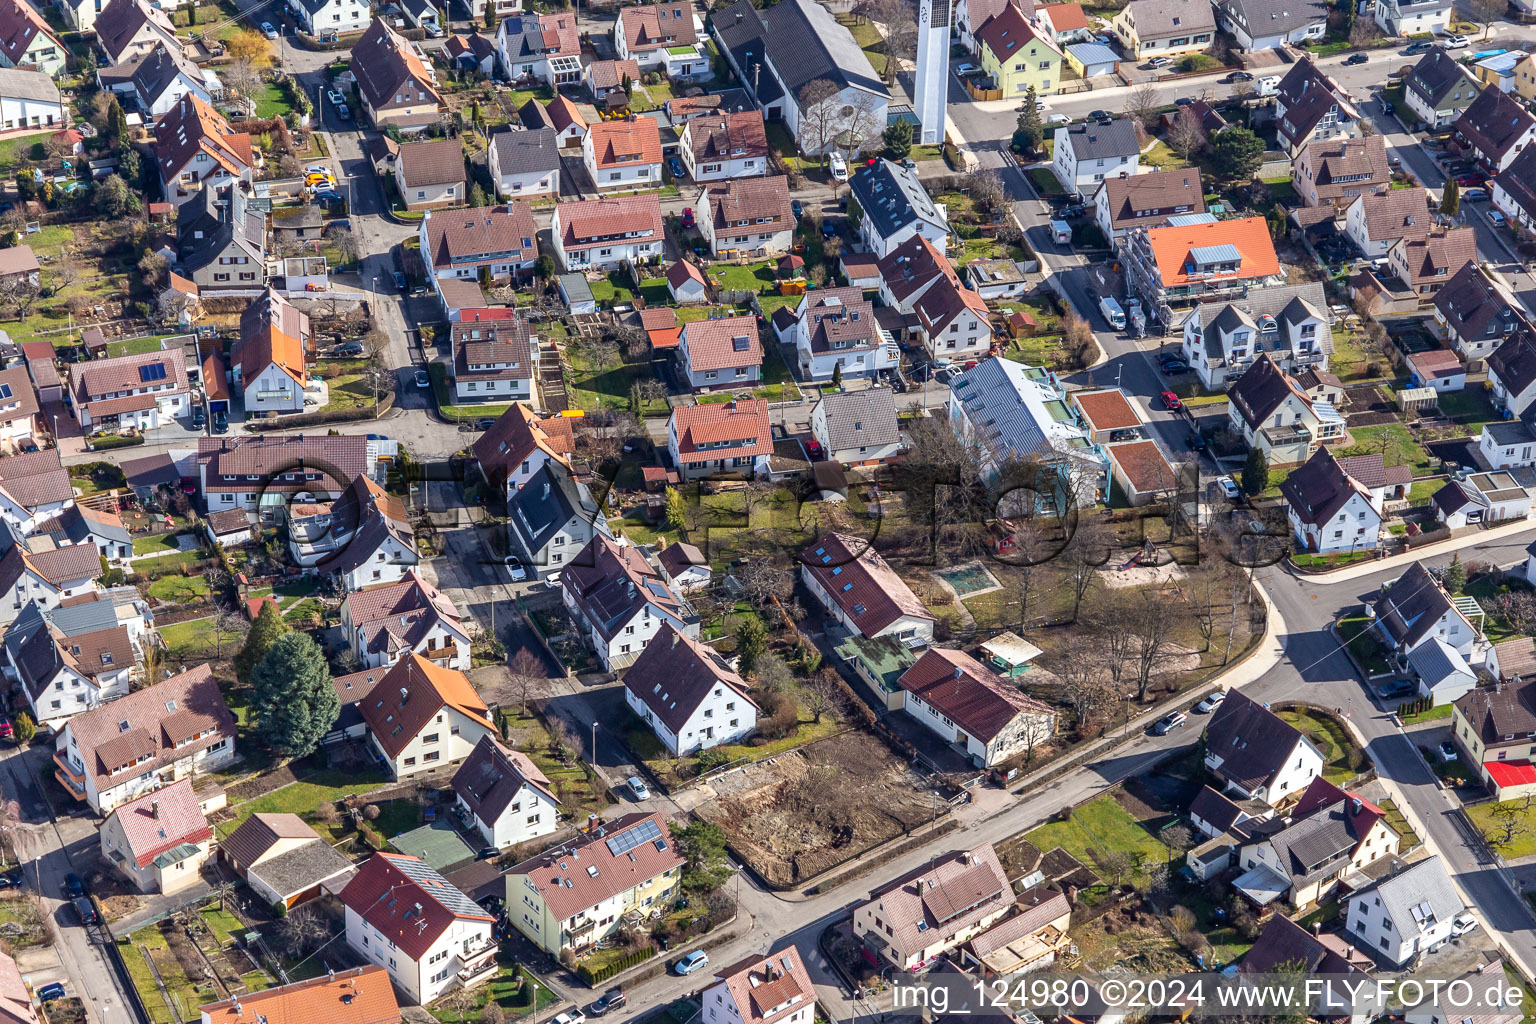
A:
(638, 787)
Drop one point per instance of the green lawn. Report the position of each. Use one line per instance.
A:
(1433, 714)
(1342, 758)
(439, 374)
(272, 101)
(302, 798)
(1364, 644)
(1045, 182)
(1470, 408)
(606, 386)
(176, 589)
(749, 277)
(190, 640)
(1095, 827)
(167, 563)
(1306, 560)
(1515, 840)
(162, 543)
(518, 993)
(1395, 818)
(1394, 442)
(1162, 157)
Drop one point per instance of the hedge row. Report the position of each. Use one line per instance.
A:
(608, 970)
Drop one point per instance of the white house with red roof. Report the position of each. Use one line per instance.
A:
(501, 241)
(965, 702)
(195, 147)
(623, 154)
(382, 623)
(601, 234)
(689, 696)
(358, 995)
(145, 391)
(935, 908)
(861, 591)
(720, 439)
(519, 444)
(573, 895)
(505, 796)
(721, 353)
(159, 841)
(619, 601)
(423, 716)
(772, 989)
(405, 917)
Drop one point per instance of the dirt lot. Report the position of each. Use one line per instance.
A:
(802, 813)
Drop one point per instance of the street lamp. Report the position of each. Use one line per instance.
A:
(594, 746)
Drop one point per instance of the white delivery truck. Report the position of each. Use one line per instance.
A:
(1112, 312)
(1061, 231)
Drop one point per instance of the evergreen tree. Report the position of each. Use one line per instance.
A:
(627, 85)
(1450, 200)
(1255, 472)
(117, 121)
(837, 375)
(269, 625)
(751, 641)
(1030, 132)
(26, 184)
(25, 728)
(703, 843)
(294, 701)
(476, 195)
(898, 140)
(114, 199)
(1236, 153)
(1455, 576)
(129, 166)
(677, 509)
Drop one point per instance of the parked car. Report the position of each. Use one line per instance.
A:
(1496, 218)
(49, 992)
(610, 1000)
(573, 1017)
(1387, 108)
(1229, 488)
(1211, 703)
(675, 166)
(1059, 119)
(1157, 63)
(1447, 752)
(1163, 726)
(1239, 76)
(422, 380)
(1356, 58)
(1171, 401)
(838, 167)
(1472, 180)
(1456, 42)
(695, 961)
(74, 888)
(1183, 101)
(488, 853)
(325, 197)
(316, 178)
(517, 568)
(797, 208)
(813, 450)
(637, 786)
(268, 31)
(1100, 115)
(220, 421)
(351, 348)
(1397, 689)
(1126, 434)
(1174, 367)
(1422, 46)
(1462, 923)
(1196, 441)
(828, 228)
(378, 437)
(7, 731)
(966, 69)
(687, 217)
(1475, 195)
(86, 909)
(199, 417)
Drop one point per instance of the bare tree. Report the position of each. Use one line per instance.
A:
(1088, 551)
(864, 120)
(819, 120)
(1114, 863)
(1153, 617)
(222, 890)
(988, 197)
(1087, 686)
(527, 671)
(20, 292)
(763, 579)
(1187, 136)
(1363, 33)
(900, 43)
(242, 81)
(228, 626)
(1510, 821)
(171, 304)
(824, 694)
(1142, 103)
(1486, 11)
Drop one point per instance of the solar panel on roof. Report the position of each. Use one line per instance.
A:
(5, 391)
(644, 832)
(152, 371)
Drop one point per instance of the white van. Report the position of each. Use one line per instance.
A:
(1268, 85)
(1112, 312)
(838, 166)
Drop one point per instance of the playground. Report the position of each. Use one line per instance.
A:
(968, 580)
(1141, 570)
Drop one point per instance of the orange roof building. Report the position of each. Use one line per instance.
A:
(423, 716)
(195, 146)
(720, 438)
(361, 995)
(623, 154)
(1177, 265)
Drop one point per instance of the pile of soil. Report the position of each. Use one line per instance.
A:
(813, 809)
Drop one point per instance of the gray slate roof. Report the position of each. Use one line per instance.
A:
(1272, 17)
(802, 40)
(1101, 141)
(534, 151)
(548, 501)
(1158, 18)
(859, 419)
(893, 197)
(1436, 662)
(302, 867)
(1253, 742)
(1436, 75)
(1414, 896)
(16, 83)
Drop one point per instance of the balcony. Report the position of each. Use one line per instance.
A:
(476, 972)
(68, 777)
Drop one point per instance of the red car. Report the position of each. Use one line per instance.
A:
(813, 450)
(1471, 180)
(1171, 401)
(687, 216)
(6, 730)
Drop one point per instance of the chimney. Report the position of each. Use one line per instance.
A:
(1354, 805)
(591, 822)
(154, 809)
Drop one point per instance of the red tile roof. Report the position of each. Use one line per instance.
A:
(968, 693)
(1106, 410)
(632, 142)
(1171, 246)
(410, 694)
(395, 894)
(517, 434)
(568, 882)
(861, 583)
(1143, 465)
(591, 222)
(721, 344)
(361, 995)
(1064, 17)
(193, 127)
(769, 988)
(162, 820)
(648, 26)
(745, 420)
(480, 237)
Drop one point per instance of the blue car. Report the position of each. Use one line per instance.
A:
(675, 166)
(326, 198)
(49, 992)
(695, 961)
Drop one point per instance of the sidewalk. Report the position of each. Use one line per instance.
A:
(1354, 572)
